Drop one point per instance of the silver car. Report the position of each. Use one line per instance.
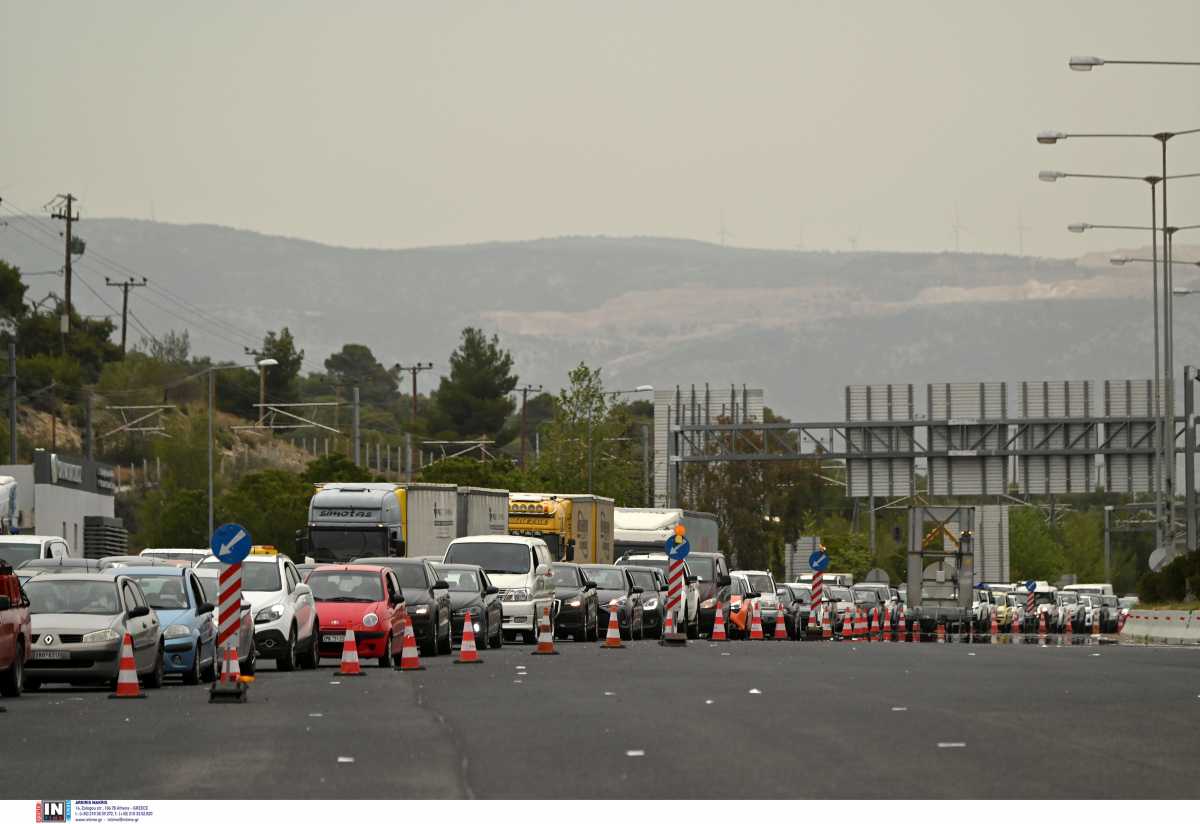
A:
(79, 622)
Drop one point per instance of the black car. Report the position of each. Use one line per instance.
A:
(428, 600)
(471, 589)
(614, 584)
(654, 598)
(578, 610)
(795, 600)
(712, 578)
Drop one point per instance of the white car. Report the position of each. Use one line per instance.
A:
(192, 556)
(519, 566)
(768, 601)
(691, 587)
(285, 615)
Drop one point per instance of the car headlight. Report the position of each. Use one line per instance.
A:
(623, 600)
(370, 619)
(575, 603)
(652, 604)
(177, 631)
(101, 635)
(735, 608)
(421, 610)
(709, 604)
(267, 614)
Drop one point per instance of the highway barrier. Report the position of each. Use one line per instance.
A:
(1162, 625)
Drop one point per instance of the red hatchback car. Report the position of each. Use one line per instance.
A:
(364, 598)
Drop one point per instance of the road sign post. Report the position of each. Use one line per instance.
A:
(230, 544)
(818, 562)
(677, 548)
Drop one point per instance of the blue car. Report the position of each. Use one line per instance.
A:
(186, 617)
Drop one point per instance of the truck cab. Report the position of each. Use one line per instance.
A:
(347, 521)
(16, 549)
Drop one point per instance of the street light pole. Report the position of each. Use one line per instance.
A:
(211, 392)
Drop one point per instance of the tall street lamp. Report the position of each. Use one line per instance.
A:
(262, 387)
(1088, 62)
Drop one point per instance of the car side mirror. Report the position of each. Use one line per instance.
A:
(396, 600)
(441, 585)
(590, 585)
(664, 588)
(139, 612)
(245, 606)
(492, 591)
(302, 589)
(396, 544)
(302, 543)
(543, 571)
(205, 608)
(752, 595)
(636, 590)
(690, 579)
(724, 581)
(5, 603)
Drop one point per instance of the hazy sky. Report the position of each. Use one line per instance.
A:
(400, 124)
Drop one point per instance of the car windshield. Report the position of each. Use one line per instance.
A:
(606, 577)
(1069, 597)
(172, 555)
(646, 580)
(661, 563)
(410, 574)
(761, 584)
(840, 593)
(1108, 600)
(565, 576)
(344, 544)
(1043, 598)
(346, 585)
(163, 591)
(14, 554)
(864, 596)
(801, 594)
(460, 580)
(496, 559)
(54, 595)
(702, 567)
(260, 577)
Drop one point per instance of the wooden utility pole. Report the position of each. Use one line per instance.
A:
(413, 370)
(68, 215)
(525, 390)
(124, 286)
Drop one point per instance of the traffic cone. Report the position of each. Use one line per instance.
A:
(1041, 624)
(545, 644)
(1015, 630)
(887, 624)
(756, 630)
(915, 631)
(826, 625)
(901, 626)
(718, 631)
(995, 628)
(848, 626)
(780, 626)
(860, 623)
(941, 632)
(1069, 631)
(467, 654)
(127, 678)
(410, 659)
(612, 640)
(233, 667)
(1095, 626)
(350, 656)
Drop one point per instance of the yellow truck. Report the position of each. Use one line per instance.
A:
(576, 528)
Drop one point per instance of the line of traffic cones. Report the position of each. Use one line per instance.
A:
(467, 654)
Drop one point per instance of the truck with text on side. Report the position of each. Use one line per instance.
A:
(576, 528)
(355, 520)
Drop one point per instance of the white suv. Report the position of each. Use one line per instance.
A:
(520, 567)
(285, 615)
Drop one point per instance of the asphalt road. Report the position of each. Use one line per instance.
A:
(736, 720)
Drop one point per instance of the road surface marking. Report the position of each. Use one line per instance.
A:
(945, 745)
(635, 753)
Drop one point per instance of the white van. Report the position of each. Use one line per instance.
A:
(16, 549)
(519, 565)
(1090, 589)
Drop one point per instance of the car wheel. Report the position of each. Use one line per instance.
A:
(385, 660)
(192, 676)
(251, 661)
(11, 678)
(446, 647)
(497, 641)
(311, 657)
(155, 679)
(693, 629)
(594, 633)
(287, 661)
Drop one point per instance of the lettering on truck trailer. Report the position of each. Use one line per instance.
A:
(363, 514)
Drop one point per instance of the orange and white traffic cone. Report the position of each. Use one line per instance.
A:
(994, 630)
(1042, 625)
(718, 631)
(941, 632)
(410, 659)
(860, 624)
(350, 664)
(1015, 629)
(467, 654)
(545, 644)
(612, 640)
(901, 626)
(887, 624)
(826, 625)
(848, 626)
(756, 630)
(780, 633)
(127, 678)
(1095, 626)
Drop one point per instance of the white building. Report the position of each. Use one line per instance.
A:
(56, 493)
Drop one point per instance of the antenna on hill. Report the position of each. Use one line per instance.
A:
(957, 227)
(1021, 230)
(725, 233)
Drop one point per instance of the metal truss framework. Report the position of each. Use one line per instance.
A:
(441, 450)
(144, 419)
(279, 416)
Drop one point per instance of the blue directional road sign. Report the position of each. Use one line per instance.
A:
(677, 552)
(819, 560)
(231, 543)
(1031, 586)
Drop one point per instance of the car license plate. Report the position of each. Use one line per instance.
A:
(331, 638)
(51, 654)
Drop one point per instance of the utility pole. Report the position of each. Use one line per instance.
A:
(646, 465)
(12, 403)
(413, 370)
(356, 430)
(525, 390)
(68, 215)
(124, 286)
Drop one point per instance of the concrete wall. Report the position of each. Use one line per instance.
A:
(60, 511)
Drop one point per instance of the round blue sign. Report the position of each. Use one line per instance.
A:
(1031, 586)
(818, 561)
(677, 552)
(230, 543)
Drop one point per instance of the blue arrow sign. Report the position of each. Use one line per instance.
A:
(678, 551)
(818, 561)
(1031, 586)
(230, 543)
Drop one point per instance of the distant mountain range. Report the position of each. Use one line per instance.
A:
(802, 325)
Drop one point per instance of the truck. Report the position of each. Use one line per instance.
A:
(16, 638)
(481, 511)
(941, 598)
(638, 529)
(575, 527)
(351, 520)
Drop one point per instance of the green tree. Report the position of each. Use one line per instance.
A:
(272, 505)
(281, 379)
(12, 294)
(500, 473)
(355, 365)
(334, 467)
(474, 400)
(1033, 552)
(175, 518)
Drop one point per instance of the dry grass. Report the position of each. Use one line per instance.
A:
(1180, 605)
